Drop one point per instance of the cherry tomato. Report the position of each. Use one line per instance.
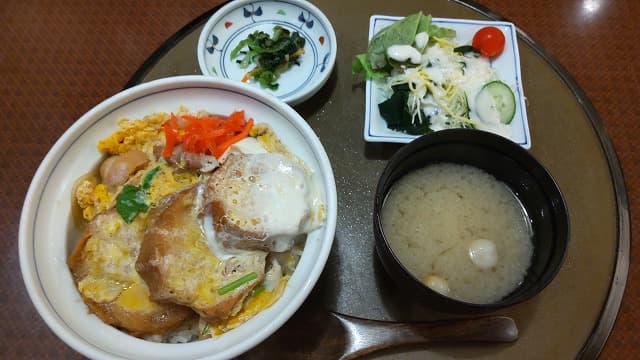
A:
(489, 40)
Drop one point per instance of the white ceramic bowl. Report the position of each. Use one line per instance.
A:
(47, 233)
(236, 20)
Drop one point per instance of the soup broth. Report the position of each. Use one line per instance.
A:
(460, 231)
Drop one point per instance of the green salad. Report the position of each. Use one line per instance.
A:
(429, 83)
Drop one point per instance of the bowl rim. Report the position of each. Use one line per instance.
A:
(28, 262)
(297, 97)
(498, 144)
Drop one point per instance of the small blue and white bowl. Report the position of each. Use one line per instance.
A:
(235, 21)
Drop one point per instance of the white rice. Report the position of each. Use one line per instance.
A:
(187, 332)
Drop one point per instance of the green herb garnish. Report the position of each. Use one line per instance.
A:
(272, 55)
(237, 283)
(132, 200)
(205, 330)
(146, 180)
(258, 289)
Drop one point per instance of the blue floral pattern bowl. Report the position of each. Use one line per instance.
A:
(236, 20)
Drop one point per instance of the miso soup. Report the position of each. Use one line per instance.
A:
(460, 231)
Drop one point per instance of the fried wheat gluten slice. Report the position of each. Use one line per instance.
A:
(176, 263)
(262, 202)
(103, 268)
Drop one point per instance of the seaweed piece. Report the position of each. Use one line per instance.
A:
(467, 49)
(394, 110)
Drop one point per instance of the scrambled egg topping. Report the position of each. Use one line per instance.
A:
(254, 304)
(115, 260)
(140, 134)
(265, 135)
(93, 197)
(111, 253)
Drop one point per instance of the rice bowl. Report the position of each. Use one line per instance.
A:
(47, 232)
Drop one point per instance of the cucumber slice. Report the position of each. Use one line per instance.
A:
(496, 102)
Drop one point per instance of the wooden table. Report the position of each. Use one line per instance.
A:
(59, 59)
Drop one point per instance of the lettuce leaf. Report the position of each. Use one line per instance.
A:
(374, 63)
(424, 25)
(361, 64)
(402, 32)
(440, 32)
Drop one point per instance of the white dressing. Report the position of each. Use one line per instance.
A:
(404, 53)
(422, 39)
(444, 86)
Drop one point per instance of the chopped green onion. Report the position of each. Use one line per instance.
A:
(146, 181)
(258, 289)
(237, 283)
(205, 330)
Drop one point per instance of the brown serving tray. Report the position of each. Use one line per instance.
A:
(571, 318)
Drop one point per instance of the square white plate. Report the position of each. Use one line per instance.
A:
(507, 66)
